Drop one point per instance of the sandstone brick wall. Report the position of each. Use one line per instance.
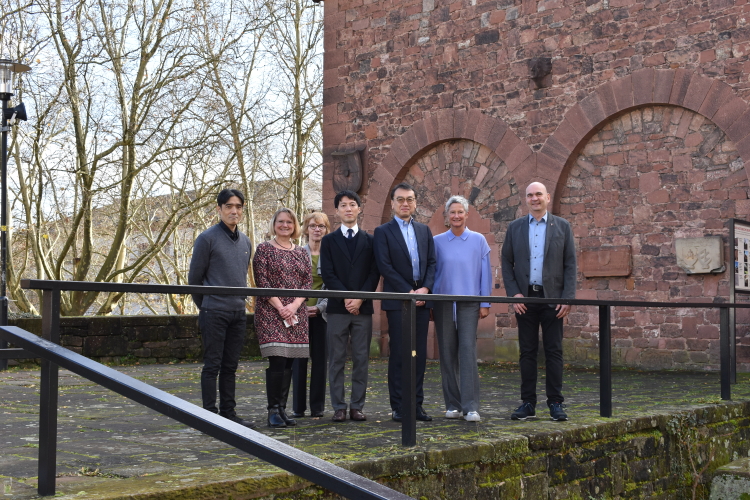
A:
(640, 132)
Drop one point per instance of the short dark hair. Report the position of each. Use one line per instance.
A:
(225, 194)
(348, 194)
(403, 185)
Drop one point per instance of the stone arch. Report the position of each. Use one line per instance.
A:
(436, 128)
(713, 99)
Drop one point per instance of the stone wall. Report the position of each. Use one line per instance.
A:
(651, 457)
(640, 132)
(144, 339)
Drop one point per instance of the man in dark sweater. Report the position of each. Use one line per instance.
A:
(347, 263)
(221, 257)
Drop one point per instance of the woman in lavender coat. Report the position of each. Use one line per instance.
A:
(463, 268)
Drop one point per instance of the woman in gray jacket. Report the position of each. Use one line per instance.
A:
(315, 226)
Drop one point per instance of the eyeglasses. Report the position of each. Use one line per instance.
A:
(408, 200)
(321, 227)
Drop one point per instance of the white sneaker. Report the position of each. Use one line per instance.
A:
(453, 414)
(472, 416)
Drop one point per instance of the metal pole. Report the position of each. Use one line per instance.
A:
(4, 223)
(732, 299)
(48, 396)
(605, 361)
(409, 373)
(726, 371)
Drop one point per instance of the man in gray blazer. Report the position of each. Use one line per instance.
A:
(539, 260)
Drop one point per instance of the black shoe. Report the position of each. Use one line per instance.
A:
(316, 414)
(422, 415)
(298, 414)
(396, 416)
(557, 412)
(274, 419)
(241, 421)
(523, 412)
(290, 422)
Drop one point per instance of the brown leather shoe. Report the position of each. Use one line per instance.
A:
(357, 415)
(339, 416)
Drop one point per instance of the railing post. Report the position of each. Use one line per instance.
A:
(726, 371)
(409, 373)
(605, 361)
(48, 396)
(733, 345)
(3, 362)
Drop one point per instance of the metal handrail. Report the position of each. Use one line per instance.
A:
(304, 465)
(51, 319)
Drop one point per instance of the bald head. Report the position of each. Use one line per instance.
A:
(537, 199)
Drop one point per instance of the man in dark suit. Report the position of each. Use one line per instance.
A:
(405, 252)
(347, 263)
(539, 260)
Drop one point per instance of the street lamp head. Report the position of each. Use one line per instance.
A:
(17, 114)
(8, 69)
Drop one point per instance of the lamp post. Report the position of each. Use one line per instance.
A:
(10, 116)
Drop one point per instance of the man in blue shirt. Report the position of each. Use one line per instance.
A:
(539, 260)
(405, 253)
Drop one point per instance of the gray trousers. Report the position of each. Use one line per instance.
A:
(458, 354)
(342, 327)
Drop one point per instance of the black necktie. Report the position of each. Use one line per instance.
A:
(350, 233)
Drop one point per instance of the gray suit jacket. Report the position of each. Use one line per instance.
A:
(559, 270)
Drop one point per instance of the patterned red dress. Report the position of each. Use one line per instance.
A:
(276, 268)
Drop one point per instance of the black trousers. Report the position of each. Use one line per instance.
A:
(394, 359)
(223, 337)
(528, 341)
(319, 359)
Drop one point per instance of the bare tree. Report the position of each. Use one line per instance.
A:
(297, 38)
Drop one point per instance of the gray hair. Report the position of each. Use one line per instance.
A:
(457, 199)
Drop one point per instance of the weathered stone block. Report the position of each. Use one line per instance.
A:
(110, 345)
(606, 261)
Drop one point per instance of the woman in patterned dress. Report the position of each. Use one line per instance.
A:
(281, 322)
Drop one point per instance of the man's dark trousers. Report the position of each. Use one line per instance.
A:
(223, 335)
(395, 335)
(528, 341)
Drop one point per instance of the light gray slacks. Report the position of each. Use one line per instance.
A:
(342, 327)
(458, 354)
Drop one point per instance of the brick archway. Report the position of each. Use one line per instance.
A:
(442, 126)
(710, 98)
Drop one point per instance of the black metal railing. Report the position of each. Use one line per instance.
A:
(51, 321)
(316, 470)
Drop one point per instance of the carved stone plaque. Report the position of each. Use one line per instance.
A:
(347, 172)
(700, 255)
(606, 261)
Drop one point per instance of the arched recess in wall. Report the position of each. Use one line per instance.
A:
(639, 163)
(480, 152)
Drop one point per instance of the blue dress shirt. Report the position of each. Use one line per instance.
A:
(407, 230)
(537, 233)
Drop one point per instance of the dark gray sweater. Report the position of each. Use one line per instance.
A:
(219, 261)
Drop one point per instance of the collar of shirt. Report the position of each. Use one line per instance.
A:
(464, 235)
(543, 219)
(402, 222)
(232, 234)
(354, 228)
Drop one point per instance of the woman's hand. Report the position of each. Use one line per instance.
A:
(312, 311)
(288, 311)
